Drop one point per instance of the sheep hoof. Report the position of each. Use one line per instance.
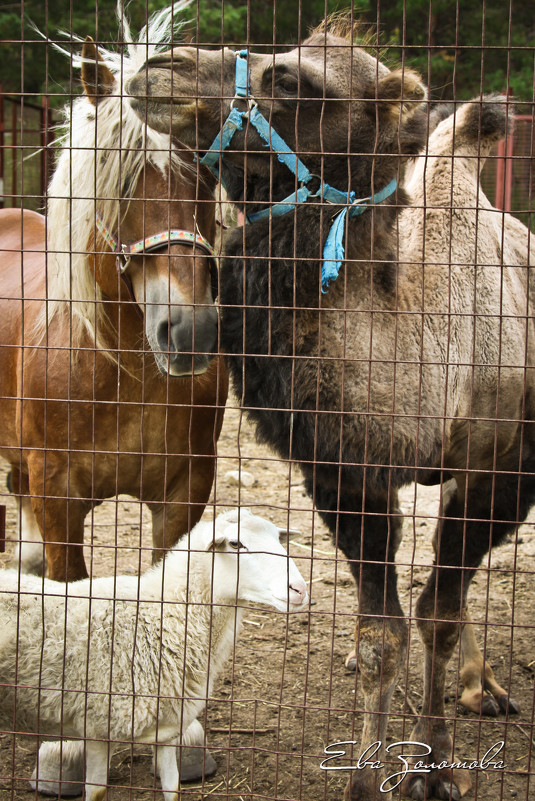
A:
(50, 784)
(195, 763)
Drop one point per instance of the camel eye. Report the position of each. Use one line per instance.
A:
(287, 85)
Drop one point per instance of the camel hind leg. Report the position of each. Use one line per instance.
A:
(475, 518)
(481, 694)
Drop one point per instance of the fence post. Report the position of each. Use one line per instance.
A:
(2, 143)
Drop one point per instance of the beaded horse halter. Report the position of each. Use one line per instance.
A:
(333, 251)
(124, 252)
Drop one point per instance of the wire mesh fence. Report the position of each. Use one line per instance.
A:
(266, 402)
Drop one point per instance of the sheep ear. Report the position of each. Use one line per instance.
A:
(401, 91)
(97, 78)
(285, 533)
(217, 543)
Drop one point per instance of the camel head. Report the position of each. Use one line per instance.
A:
(327, 98)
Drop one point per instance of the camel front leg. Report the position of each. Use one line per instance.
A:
(439, 636)
(481, 692)
(381, 648)
(369, 538)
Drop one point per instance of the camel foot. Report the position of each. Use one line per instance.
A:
(351, 661)
(508, 704)
(447, 784)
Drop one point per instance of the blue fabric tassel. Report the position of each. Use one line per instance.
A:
(333, 250)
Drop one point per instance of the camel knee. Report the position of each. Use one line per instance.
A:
(439, 637)
(380, 650)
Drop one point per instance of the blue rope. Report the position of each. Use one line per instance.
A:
(333, 250)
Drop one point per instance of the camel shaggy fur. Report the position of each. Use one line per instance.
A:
(412, 366)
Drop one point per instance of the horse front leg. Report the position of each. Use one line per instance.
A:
(183, 505)
(29, 554)
(60, 519)
(369, 538)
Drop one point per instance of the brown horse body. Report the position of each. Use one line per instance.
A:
(413, 366)
(80, 422)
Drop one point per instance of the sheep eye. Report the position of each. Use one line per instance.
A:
(236, 544)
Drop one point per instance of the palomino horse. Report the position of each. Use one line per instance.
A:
(364, 335)
(108, 385)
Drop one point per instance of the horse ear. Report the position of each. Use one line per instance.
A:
(400, 90)
(97, 78)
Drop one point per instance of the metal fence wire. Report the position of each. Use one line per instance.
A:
(266, 401)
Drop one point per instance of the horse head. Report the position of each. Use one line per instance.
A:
(150, 230)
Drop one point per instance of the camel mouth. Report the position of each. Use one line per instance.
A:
(163, 100)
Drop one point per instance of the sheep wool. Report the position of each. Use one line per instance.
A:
(126, 659)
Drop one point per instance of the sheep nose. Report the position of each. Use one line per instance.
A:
(298, 593)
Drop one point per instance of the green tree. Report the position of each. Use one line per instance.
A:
(461, 48)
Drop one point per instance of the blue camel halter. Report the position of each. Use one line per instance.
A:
(333, 250)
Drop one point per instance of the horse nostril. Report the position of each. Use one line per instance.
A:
(164, 338)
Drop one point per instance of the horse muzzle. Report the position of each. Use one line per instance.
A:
(184, 339)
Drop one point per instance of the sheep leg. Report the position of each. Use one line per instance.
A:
(59, 768)
(481, 693)
(166, 766)
(194, 760)
(97, 757)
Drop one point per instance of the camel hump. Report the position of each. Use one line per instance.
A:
(489, 117)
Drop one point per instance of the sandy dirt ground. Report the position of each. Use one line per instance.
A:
(286, 694)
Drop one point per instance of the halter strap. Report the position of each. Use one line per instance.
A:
(333, 251)
(124, 252)
(152, 242)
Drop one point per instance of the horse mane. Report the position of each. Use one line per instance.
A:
(103, 149)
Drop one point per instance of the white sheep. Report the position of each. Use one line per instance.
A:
(122, 659)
